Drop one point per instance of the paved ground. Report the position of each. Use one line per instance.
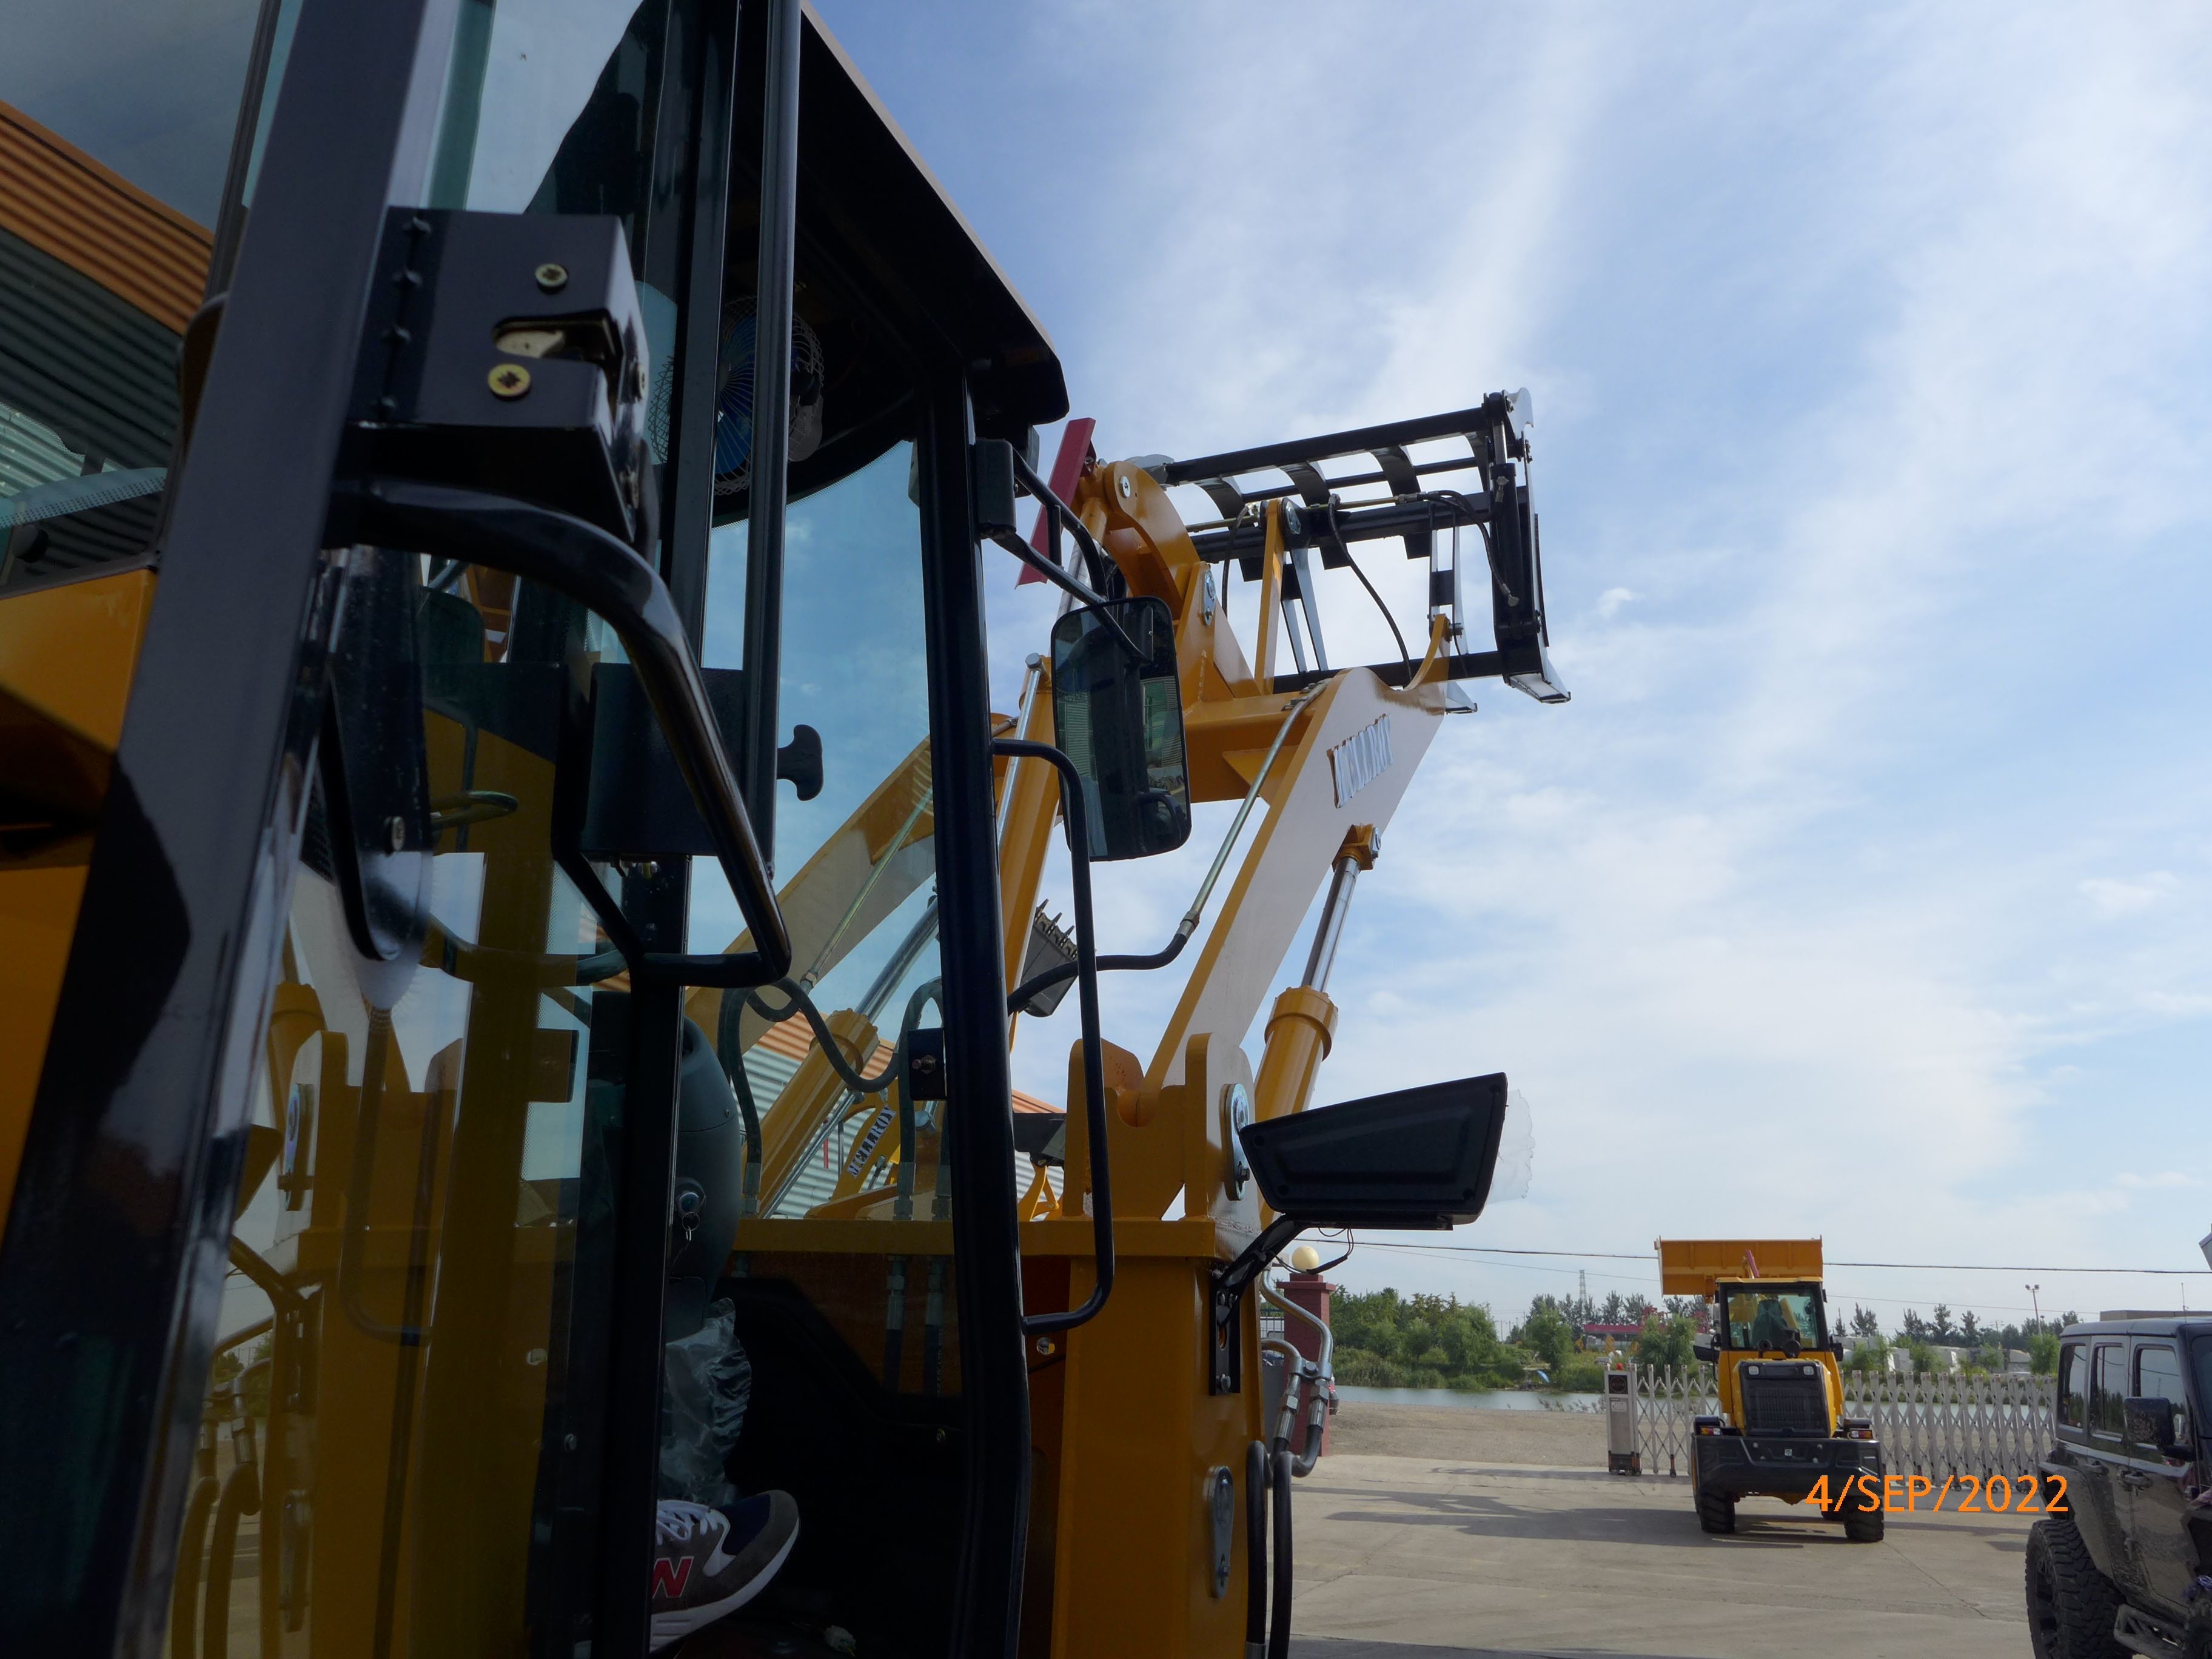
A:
(1572, 1440)
(1408, 1557)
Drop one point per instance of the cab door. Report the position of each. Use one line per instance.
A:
(2159, 1507)
(333, 1291)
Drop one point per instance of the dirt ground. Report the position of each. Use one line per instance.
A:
(1565, 1440)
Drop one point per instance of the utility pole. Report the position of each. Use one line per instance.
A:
(2035, 1301)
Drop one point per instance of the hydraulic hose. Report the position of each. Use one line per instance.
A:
(733, 1059)
(802, 1004)
(1255, 1551)
(1279, 1622)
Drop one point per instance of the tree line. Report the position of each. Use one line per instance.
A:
(1386, 1340)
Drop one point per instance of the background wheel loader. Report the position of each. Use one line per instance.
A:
(1780, 1432)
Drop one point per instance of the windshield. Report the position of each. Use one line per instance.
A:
(1767, 1318)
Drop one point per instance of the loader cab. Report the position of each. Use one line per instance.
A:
(1773, 1316)
(416, 1098)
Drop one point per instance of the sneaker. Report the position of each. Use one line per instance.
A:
(708, 1563)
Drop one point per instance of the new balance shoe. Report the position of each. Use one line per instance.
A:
(708, 1563)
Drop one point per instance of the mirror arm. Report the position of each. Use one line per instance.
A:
(1060, 513)
(1060, 578)
(586, 564)
(1094, 1058)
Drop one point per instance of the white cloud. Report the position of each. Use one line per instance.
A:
(1875, 458)
(2112, 899)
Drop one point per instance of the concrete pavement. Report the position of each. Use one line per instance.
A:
(1402, 1558)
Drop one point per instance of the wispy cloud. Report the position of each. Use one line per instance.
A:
(1861, 890)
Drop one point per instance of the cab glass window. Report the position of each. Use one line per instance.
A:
(2074, 1386)
(116, 120)
(1765, 1318)
(2108, 1388)
(402, 1442)
(2158, 1377)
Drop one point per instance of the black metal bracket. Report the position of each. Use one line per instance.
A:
(1227, 1284)
(374, 777)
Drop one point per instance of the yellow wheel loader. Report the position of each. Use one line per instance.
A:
(1781, 1432)
(517, 902)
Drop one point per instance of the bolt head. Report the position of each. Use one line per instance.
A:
(395, 832)
(508, 380)
(551, 278)
(1128, 486)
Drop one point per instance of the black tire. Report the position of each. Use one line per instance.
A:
(2070, 1605)
(1862, 1517)
(1715, 1511)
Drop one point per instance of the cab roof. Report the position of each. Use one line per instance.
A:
(883, 204)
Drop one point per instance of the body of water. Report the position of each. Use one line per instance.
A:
(1480, 1400)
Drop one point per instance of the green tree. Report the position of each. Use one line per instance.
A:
(1940, 1327)
(1665, 1340)
(1870, 1354)
(1546, 1333)
(1864, 1322)
(2043, 1353)
(1915, 1328)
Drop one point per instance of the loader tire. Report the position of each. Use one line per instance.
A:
(1861, 1519)
(1715, 1511)
(2070, 1605)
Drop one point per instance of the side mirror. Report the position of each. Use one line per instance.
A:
(1117, 713)
(2151, 1422)
(1417, 1157)
(1706, 1351)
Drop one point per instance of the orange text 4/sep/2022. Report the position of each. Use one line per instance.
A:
(1901, 1494)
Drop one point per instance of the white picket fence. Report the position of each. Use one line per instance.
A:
(1930, 1423)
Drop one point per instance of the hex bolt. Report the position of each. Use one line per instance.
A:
(552, 278)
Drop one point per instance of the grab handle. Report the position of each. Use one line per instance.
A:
(585, 564)
(1094, 1061)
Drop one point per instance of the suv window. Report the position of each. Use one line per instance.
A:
(2109, 1389)
(2158, 1377)
(2074, 1384)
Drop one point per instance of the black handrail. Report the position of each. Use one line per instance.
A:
(1075, 817)
(1255, 1550)
(602, 573)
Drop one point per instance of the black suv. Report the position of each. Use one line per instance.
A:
(2118, 1572)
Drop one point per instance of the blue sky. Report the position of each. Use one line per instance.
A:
(1863, 889)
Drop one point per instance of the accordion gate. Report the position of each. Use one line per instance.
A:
(1930, 1423)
